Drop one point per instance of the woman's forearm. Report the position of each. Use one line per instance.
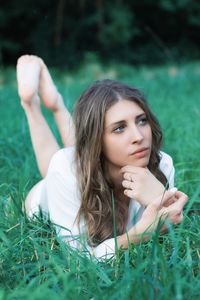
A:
(135, 235)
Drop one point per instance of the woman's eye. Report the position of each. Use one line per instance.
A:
(143, 121)
(119, 129)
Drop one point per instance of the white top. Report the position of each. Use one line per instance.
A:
(58, 195)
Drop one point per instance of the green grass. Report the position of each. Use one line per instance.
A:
(35, 264)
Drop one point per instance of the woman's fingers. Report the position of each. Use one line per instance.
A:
(170, 199)
(173, 199)
(179, 204)
(128, 184)
(159, 209)
(174, 211)
(166, 198)
(129, 188)
(129, 176)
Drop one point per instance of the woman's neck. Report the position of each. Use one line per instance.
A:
(116, 178)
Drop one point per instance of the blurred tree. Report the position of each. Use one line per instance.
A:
(62, 32)
(59, 22)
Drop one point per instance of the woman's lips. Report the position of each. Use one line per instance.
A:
(140, 152)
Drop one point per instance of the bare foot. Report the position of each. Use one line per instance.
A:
(28, 74)
(50, 97)
(53, 100)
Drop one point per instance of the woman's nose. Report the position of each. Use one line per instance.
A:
(136, 135)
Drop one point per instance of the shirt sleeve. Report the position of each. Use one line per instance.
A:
(167, 167)
(105, 250)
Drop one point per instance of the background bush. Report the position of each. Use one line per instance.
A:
(64, 32)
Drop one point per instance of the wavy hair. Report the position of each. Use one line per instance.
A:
(95, 186)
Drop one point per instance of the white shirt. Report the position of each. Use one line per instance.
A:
(58, 195)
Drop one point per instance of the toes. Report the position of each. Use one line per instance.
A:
(29, 59)
(28, 72)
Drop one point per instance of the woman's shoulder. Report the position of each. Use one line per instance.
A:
(61, 176)
(165, 159)
(62, 160)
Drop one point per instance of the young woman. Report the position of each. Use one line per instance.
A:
(112, 155)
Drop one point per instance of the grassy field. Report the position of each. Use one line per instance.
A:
(35, 264)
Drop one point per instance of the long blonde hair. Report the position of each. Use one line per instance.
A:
(95, 186)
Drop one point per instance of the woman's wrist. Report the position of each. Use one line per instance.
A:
(138, 232)
(134, 235)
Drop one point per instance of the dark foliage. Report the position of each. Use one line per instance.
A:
(64, 32)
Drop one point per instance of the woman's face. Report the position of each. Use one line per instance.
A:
(127, 136)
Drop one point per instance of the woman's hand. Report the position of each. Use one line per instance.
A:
(141, 185)
(169, 207)
(160, 208)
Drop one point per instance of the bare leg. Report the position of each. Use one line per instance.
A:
(53, 101)
(44, 143)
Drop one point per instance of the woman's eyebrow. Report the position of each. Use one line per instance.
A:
(116, 123)
(123, 121)
(140, 115)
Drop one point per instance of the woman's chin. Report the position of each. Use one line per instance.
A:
(143, 163)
